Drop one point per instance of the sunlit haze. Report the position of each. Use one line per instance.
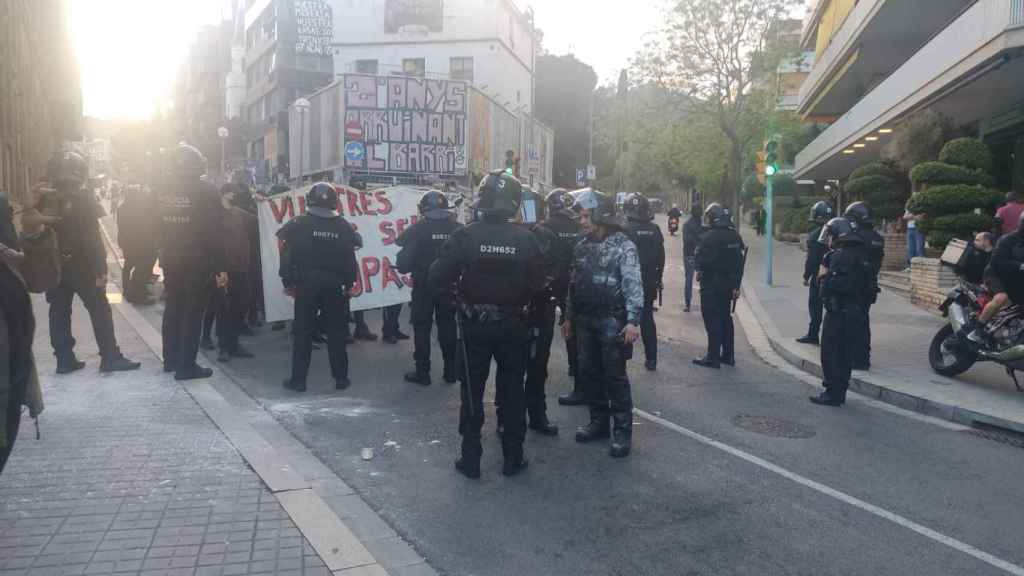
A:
(129, 50)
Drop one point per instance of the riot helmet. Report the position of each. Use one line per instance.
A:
(821, 212)
(839, 230)
(500, 194)
(601, 206)
(67, 167)
(322, 200)
(637, 208)
(717, 216)
(187, 161)
(560, 202)
(859, 214)
(434, 205)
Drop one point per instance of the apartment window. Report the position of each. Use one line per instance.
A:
(366, 66)
(414, 67)
(461, 69)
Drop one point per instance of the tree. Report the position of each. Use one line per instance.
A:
(706, 53)
(919, 139)
(564, 90)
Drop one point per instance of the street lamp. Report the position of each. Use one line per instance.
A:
(223, 134)
(302, 105)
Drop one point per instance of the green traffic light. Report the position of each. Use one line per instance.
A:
(770, 169)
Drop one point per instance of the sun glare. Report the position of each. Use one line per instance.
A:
(129, 50)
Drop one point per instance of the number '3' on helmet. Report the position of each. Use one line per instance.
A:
(637, 207)
(500, 194)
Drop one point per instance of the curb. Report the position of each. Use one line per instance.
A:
(335, 539)
(872, 386)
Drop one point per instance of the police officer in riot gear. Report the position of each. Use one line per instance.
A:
(190, 255)
(421, 244)
(650, 245)
(845, 285)
(83, 266)
(606, 300)
(498, 267)
(821, 213)
(720, 266)
(859, 216)
(318, 263)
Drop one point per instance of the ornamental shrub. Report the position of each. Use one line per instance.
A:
(969, 153)
(953, 199)
(938, 173)
(876, 185)
(944, 228)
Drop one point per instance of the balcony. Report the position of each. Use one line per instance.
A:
(971, 70)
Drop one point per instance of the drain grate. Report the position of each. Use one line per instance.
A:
(774, 427)
(996, 434)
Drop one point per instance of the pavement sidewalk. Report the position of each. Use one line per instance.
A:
(901, 334)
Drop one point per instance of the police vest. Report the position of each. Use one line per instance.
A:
(322, 244)
(497, 264)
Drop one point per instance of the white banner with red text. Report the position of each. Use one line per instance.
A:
(379, 216)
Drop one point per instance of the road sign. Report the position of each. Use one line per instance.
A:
(581, 176)
(591, 172)
(354, 131)
(355, 151)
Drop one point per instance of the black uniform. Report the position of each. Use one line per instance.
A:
(136, 219)
(720, 263)
(843, 290)
(191, 253)
(424, 241)
(874, 249)
(498, 266)
(815, 253)
(692, 232)
(318, 261)
(84, 260)
(650, 246)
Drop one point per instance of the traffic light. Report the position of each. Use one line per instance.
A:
(771, 158)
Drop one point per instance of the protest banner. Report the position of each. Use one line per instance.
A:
(380, 216)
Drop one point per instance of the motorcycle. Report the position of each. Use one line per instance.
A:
(951, 353)
(673, 225)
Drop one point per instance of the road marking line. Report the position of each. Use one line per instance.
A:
(841, 496)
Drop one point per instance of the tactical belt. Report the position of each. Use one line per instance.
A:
(491, 313)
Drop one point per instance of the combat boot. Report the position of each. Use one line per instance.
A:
(597, 429)
(622, 435)
(418, 376)
(515, 460)
(468, 463)
(68, 364)
(118, 364)
(539, 423)
(574, 398)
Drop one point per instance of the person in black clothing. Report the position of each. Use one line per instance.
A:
(650, 246)
(191, 254)
(720, 266)
(498, 267)
(675, 212)
(979, 253)
(136, 220)
(821, 213)
(83, 266)
(421, 243)
(238, 225)
(558, 234)
(845, 278)
(318, 264)
(692, 232)
(1004, 278)
(859, 216)
(391, 333)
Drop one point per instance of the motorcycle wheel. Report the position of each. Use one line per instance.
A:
(950, 360)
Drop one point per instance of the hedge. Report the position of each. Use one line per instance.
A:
(938, 173)
(794, 220)
(941, 230)
(951, 199)
(871, 169)
(970, 153)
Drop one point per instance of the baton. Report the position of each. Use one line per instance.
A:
(742, 269)
(465, 363)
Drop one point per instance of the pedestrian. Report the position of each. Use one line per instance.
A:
(84, 267)
(1009, 214)
(191, 254)
(859, 216)
(238, 226)
(760, 219)
(821, 213)
(606, 301)
(390, 329)
(693, 230)
(420, 246)
(844, 277)
(136, 220)
(915, 238)
(650, 245)
(318, 265)
(498, 267)
(720, 270)
(29, 263)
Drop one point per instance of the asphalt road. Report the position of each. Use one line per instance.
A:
(742, 476)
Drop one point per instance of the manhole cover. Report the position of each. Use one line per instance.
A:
(774, 427)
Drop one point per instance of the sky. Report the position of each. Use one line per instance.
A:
(129, 50)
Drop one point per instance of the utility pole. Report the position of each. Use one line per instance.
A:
(771, 167)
